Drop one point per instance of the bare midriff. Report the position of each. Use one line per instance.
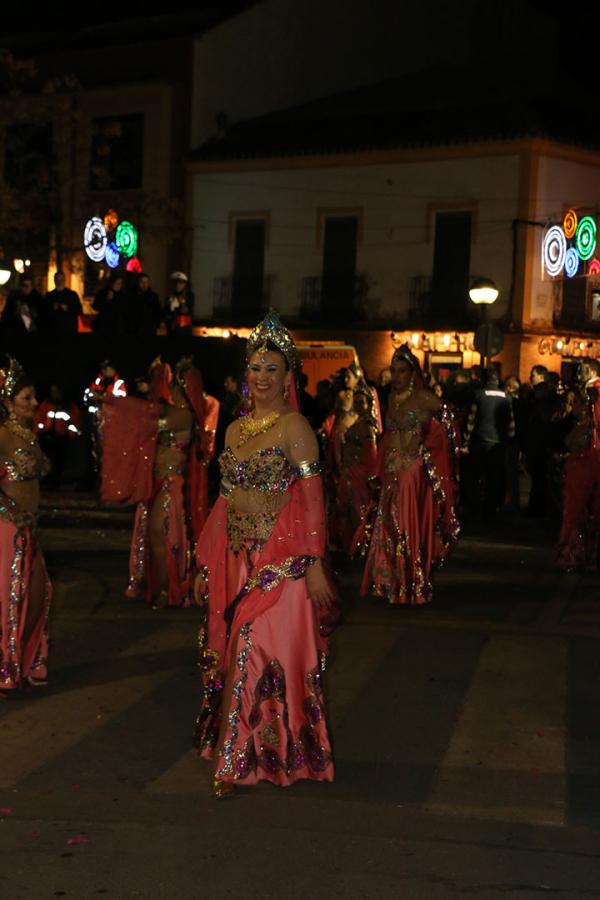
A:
(172, 443)
(26, 494)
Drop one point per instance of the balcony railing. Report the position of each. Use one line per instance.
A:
(332, 297)
(241, 298)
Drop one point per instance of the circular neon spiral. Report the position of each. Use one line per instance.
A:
(126, 239)
(95, 239)
(594, 266)
(133, 265)
(571, 262)
(554, 249)
(585, 237)
(111, 220)
(112, 255)
(570, 223)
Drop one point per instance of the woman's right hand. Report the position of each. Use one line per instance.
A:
(317, 583)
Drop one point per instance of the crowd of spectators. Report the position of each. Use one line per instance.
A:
(123, 306)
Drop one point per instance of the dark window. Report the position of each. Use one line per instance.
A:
(573, 301)
(451, 264)
(339, 265)
(28, 157)
(248, 265)
(117, 153)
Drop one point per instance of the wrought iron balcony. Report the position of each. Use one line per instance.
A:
(329, 297)
(241, 298)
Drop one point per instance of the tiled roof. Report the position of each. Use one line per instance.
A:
(434, 107)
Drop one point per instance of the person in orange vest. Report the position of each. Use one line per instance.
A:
(107, 383)
(56, 423)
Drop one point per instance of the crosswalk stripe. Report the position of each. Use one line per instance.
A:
(35, 734)
(507, 756)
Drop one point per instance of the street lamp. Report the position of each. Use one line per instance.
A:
(4, 275)
(483, 293)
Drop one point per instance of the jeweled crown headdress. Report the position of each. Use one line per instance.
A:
(271, 329)
(10, 375)
(404, 352)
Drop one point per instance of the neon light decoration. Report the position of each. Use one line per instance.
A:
(95, 239)
(585, 238)
(571, 262)
(554, 250)
(594, 266)
(112, 255)
(126, 239)
(570, 223)
(133, 265)
(111, 220)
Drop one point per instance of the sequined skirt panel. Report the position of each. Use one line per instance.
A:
(178, 550)
(19, 554)
(276, 718)
(398, 565)
(579, 540)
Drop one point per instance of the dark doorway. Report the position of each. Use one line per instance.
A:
(248, 266)
(339, 266)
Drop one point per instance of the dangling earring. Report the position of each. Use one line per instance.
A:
(286, 392)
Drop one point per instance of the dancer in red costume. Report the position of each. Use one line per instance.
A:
(261, 575)
(415, 524)
(579, 541)
(25, 590)
(155, 454)
(358, 464)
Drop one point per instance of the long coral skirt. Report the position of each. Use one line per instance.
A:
(272, 697)
(20, 554)
(579, 540)
(402, 547)
(178, 550)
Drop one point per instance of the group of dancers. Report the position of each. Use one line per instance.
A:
(256, 564)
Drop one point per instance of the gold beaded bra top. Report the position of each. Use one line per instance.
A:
(267, 470)
(24, 465)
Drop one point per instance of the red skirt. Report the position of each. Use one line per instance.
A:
(402, 548)
(19, 554)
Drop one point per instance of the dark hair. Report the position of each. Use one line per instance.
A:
(540, 370)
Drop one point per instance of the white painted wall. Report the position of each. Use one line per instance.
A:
(397, 199)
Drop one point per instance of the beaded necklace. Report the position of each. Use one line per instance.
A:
(21, 431)
(251, 428)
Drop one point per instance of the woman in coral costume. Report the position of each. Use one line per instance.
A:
(267, 593)
(415, 523)
(358, 465)
(25, 589)
(155, 454)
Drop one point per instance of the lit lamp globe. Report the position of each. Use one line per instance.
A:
(483, 292)
(4, 275)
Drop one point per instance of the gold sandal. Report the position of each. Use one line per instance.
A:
(221, 789)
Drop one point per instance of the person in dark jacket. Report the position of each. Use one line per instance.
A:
(61, 309)
(540, 407)
(22, 309)
(144, 311)
(110, 304)
(490, 426)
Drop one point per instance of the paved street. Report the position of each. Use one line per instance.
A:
(467, 741)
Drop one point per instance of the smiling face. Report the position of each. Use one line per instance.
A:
(24, 405)
(267, 376)
(401, 375)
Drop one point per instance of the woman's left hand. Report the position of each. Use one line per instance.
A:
(319, 589)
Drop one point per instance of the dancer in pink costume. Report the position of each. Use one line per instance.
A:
(358, 466)
(25, 590)
(268, 595)
(155, 454)
(415, 524)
